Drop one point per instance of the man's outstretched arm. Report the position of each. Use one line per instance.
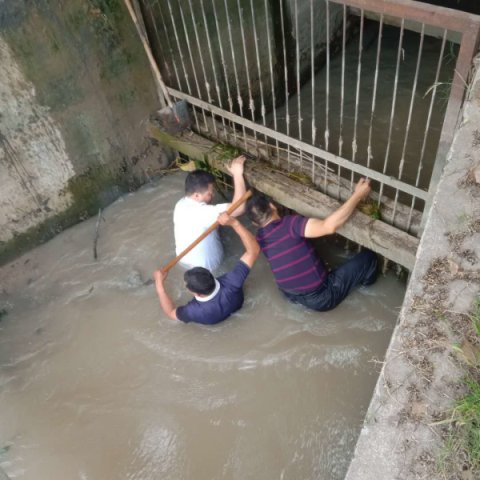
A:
(252, 249)
(239, 188)
(318, 228)
(165, 301)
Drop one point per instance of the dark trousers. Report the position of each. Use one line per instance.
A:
(359, 270)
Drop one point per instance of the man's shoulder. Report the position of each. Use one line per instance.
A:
(186, 313)
(184, 208)
(236, 276)
(179, 205)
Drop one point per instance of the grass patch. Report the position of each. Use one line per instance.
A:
(462, 434)
(462, 443)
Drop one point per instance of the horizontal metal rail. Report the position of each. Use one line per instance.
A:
(420, 12)
(302, 146)
(412, 25)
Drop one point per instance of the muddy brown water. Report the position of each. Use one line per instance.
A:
(97, 383)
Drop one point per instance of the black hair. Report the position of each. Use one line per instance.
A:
(259, 209)
(199, 280)
(198, 182)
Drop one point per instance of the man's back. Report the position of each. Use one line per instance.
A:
(292, 258)
(226, 299)
(191, 219)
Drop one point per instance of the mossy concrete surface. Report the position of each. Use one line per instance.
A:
(75, 93)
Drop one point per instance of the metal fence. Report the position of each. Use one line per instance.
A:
(332, 89)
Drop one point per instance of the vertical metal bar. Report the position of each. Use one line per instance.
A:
(185, 73)
(327, 88)
(169, 44)
(427, 125)
(357, 94)
(312, 82)
(342, 94)
(327, 78)
(199, 92)
(162, 92)
(232, 50)
(225, 72)
(374, 96)
(297, 53)
(214, 69)
(409, 119)
(392, 113)
(259, 70)
(285, 69)
(251, 103)
(207, 83)
(272, 80)
(159, 43)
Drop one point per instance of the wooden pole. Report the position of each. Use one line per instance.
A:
(162, 92)
(207, 232)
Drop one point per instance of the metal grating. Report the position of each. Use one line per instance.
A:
(329, 88)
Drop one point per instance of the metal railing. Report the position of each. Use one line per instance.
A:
(381, 81)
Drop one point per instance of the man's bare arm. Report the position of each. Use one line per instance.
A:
(239, 188)
(316, 227)
(165, 301)
(252, 248)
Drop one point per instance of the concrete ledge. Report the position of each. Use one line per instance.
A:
(380, 237)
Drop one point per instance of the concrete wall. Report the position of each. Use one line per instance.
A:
(303, 36)
(75, 92)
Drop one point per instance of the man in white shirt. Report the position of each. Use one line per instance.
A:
(194, 213)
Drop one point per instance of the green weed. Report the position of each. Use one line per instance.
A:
(467, 416)
(462, 444)
(372, 209)
(226, 152)
(461, 450)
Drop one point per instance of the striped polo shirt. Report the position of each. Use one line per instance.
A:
(292, 258)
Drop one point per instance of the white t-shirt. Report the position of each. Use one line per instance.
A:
(191, 219)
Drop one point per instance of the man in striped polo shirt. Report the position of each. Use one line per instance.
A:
(299, 273)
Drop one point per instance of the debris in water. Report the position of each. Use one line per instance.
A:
(5, 448)
(95, 239)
